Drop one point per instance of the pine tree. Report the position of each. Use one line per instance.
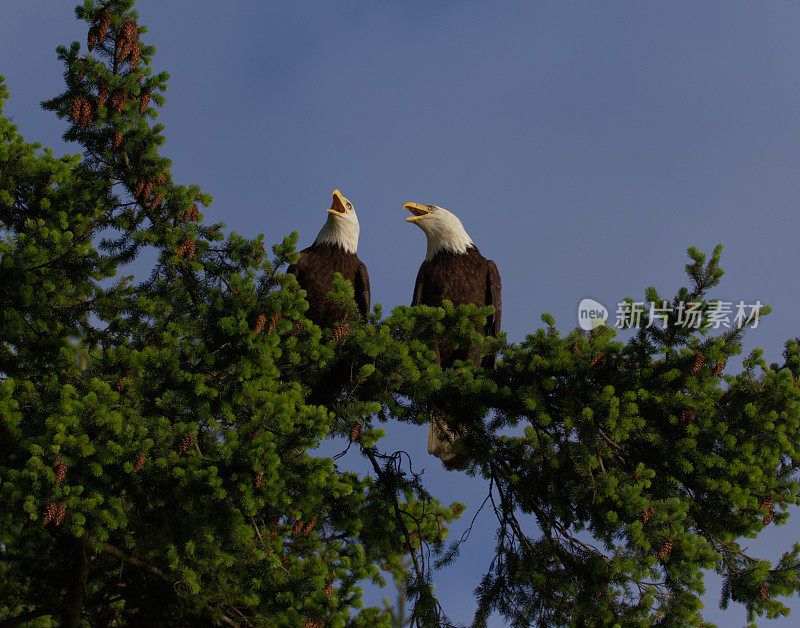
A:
(156, 435)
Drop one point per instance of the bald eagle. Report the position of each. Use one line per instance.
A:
(454, 270)
(333, 251)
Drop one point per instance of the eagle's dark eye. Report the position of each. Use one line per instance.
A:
(431, 207)
(349, 206)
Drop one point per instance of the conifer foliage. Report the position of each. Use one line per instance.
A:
(162, 471)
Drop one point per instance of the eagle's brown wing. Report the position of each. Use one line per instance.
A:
(417, 298)
(361, 289)
(492, 298)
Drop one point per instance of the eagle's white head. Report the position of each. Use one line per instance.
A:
(443, 229)
(341, 228)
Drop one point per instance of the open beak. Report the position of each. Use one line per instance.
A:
(337, 206)
(418, 210)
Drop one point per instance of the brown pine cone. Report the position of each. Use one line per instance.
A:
(117, 102)
(190, 249)
(768, 517)
(297, 528)
(137, 191)
(135, 54)
(298, 327)
(86, 113)
(719, 368)
(117, 140)
(147, 191)
(260, 322)
(91, 38)
(102, 21)
(576, 349)
(309, 527)
(185, 443)
(355, 431)
(648, 512)
(181, 250)
(687, 416)
(61, 470)
(597, 358)
(314, 623)
(329, 590)
(162, 178)
(139, 462)
(259, 479)
(102, 95)
(144, 100)
(763, 592)
(191, 214)
(666, 548)
(130, 32)
(60, 514)
(341, 331)
(273, 322)
(51, 512)
(157, 200)
(698, 364)
(76, 110)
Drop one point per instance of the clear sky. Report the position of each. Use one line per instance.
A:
(585, 145)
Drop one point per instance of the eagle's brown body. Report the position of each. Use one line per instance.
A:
(314, 271)
(461, 278)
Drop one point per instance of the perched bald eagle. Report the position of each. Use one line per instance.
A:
(454, 270)
(333, 251)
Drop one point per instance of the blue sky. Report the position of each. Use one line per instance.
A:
(584, 145)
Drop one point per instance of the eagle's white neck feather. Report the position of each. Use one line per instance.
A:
(340, 230)
(444, 232)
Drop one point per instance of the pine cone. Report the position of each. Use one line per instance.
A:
(54, 512)
(86, 113)
(186, 442)
(117, 140)
(355, 431)
(75, 110)
(61, 511)
(117, 102)
(139, 462)
(130, 32)
(297, 528)
(329, 590)
(648, 512)
(719, 368)
(181, 250)
(341, 331)
(91, 38)
(102, 21)
(698, 364)
(157, 200)
(61, 470)
(137, 191)
(147, 191)
(136, 54)
(162, 178)
(687, 416)
(766, 504)
(763, 592)
(190, 248)
(191, 214)
(666, 548)
(273, 322)
(102, 95)
(576, 349)
(144, 100)
(309, 527)
(298, 327)
(597, 358)
(260, 322)
(259, 479)
(314, 623)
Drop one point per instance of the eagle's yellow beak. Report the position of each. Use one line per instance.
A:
(338, 204)
(419, 211)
